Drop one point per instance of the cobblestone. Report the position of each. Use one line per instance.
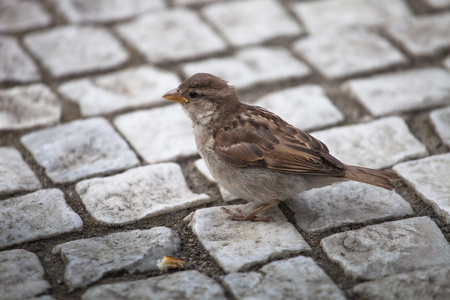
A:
(447, 62)
(28, 106)
(181, 285)
(173, 35)
(15, 174)
(89, 260)
(22, 15)
(295, 278)
(402, 91)
(437, 4)
(38, 215)
(78, 149)
(422, 36)
(100, 11)
(69, 50)
(350, 53)
(130, 88)
(16, 65)
(21, 275)
(428, 176)
(377, 144)
(338, 15)
(252, 66)
(236, 246)
(390, 248)
(440, 118)
(249, 22)
(346, 203)
(168, 129)
(138, 193)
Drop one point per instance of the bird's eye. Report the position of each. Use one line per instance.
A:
(193, 95)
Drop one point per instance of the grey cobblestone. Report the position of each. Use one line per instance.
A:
(447, 62)
(441, 121)
(21, 275)
(38, 215)
(28, 106)
(437, 4)
(16, 65)
(22, 15)
(69, 50)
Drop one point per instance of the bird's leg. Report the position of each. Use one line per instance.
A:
(252, 216)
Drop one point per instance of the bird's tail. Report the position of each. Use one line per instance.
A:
(374, 177)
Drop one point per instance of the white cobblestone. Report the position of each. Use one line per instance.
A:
(190, 2)
(438, 4)
(337, 15)
(350, 53)
(135, 251)
(15, 64)
(69, 50)
(28, 106)
(21, 275)
(252, 21)
(346, 203)
(78, 149)
(15, 174)
(440, 118)
(390, 248)
(172, 35)
(251, 66)
(180, 285)
(138, 193)
(159, 134)
(421, 36)
(377, 144)
(306, 107)
(22, 15)
(238, 245)
(295, 278)
(402, 91)
(129, 88)
(428, 284)
(429, 177)
(100, 11)
(38, 215)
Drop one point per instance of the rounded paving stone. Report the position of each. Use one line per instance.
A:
(22, 15)
(440, 118)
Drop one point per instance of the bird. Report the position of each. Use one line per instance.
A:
(254, 153)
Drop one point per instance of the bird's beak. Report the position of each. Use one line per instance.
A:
(174, 95)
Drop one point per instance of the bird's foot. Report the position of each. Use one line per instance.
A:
(239, 215)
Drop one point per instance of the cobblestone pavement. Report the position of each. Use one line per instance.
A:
(100, 177)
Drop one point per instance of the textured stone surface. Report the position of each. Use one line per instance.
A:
(295, 278)
(402, 91)
(22, 15)
(390, 248)
(28, 106)
(189, 2)
(447, 62)
(338, 15)
(351, 53)
(133, 251)
(251, 66)
(422, 36)
(34, 216)
(15, 64)
(69, 50)
(180, 285)
(377, 144)
(427, 284)
(346, 203)
(138, 193)
(173, 35)
(21, 275)
(15, 174)
(99, 11)
(429, 177)
(129, 88)
(159, 134)
(249, 22)
(437, 4)
(78, 149)
(440, 118)
(238, 245)
(306, 107)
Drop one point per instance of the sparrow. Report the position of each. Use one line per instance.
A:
(255, 154)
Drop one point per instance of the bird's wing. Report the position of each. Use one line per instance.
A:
(258, 138)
